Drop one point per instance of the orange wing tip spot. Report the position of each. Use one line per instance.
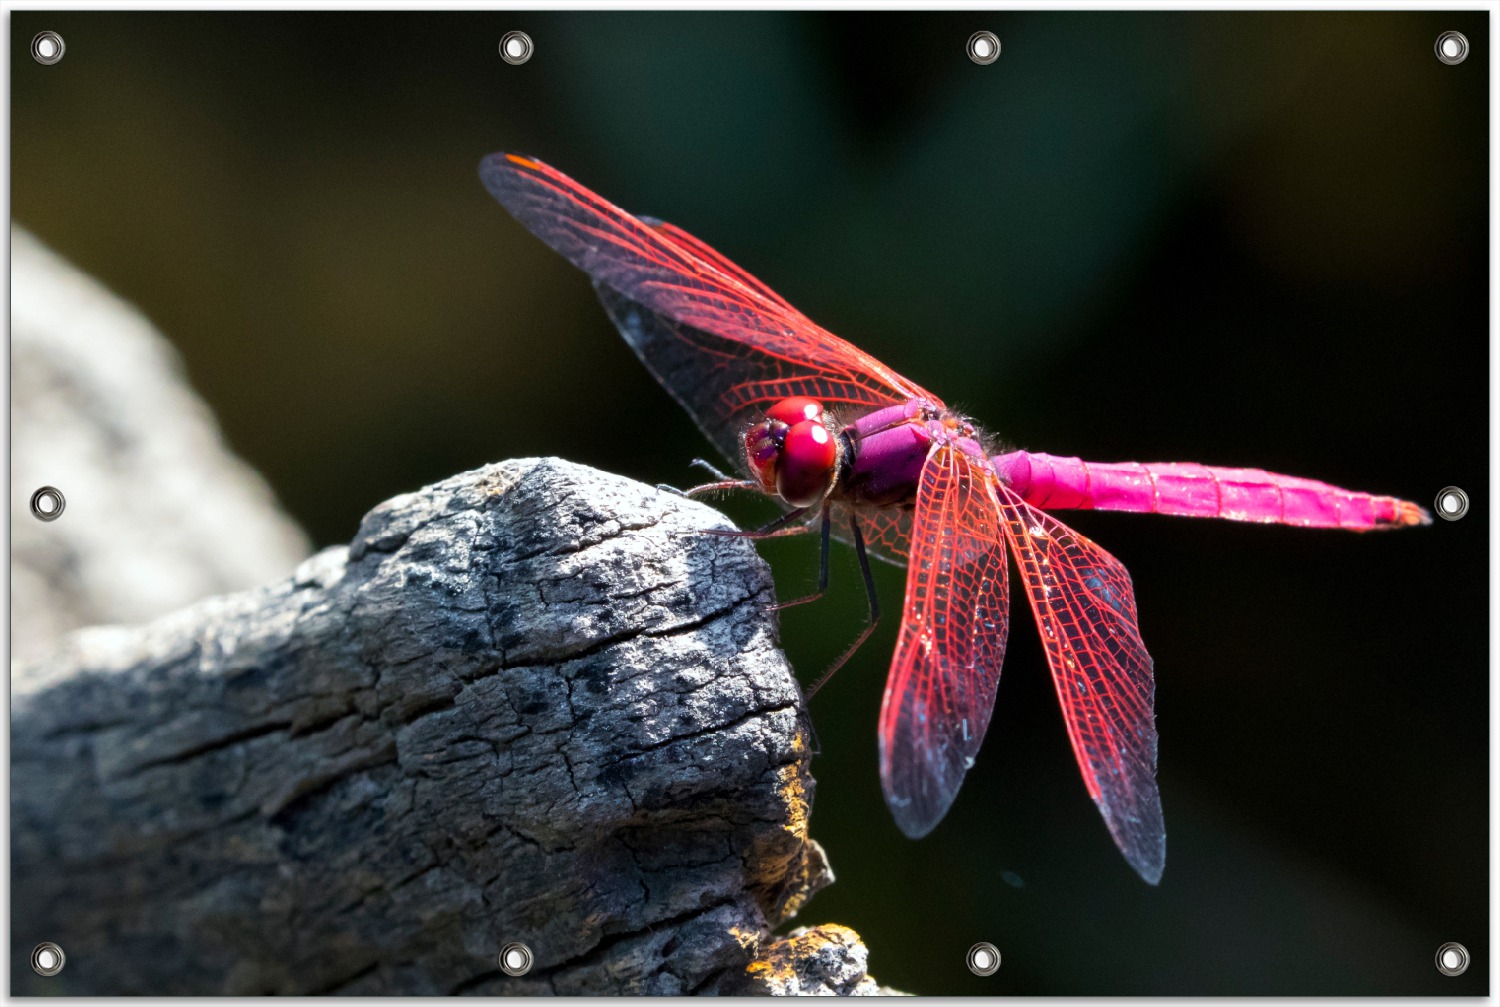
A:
(524, 162)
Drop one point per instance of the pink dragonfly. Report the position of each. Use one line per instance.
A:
(844, 441)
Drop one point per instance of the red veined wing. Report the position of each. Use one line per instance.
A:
(715, 258)
(1085, 609)
(941, 688)
(716, 337)
(886, 530)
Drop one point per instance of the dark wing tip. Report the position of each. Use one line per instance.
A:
(1140, 833)
(919, 798)
(915, 819)
(1150, 864)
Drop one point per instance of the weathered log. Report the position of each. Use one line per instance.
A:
(532, 703)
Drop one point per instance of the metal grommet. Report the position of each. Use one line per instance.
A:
(984, 47)
(1451, 504)
(516, 47)
(47, 504)
(48, 959)
(984, 959)
(515, 959)
(1452, 959)
(1451, 47)
(47, 48)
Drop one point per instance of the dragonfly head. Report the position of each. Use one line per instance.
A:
(792, 453)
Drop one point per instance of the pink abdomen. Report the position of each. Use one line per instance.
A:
(1190, 490)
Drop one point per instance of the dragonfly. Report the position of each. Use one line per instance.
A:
(851, 447)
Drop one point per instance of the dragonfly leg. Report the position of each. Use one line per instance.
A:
(864, 634)
(721, 481)
(822, 568)
(727, 484)
(772, 529)
(708, 467)
(695, 491)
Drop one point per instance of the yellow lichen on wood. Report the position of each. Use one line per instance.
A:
(793, 793)
(824, 959)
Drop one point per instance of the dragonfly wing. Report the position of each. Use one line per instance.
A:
(886, 530)
(667, 347)
(715, 258)
(683, 359)
(941, 688)
(1085, 608)
(735, 347)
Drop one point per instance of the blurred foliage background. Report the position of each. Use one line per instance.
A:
(1246, 239)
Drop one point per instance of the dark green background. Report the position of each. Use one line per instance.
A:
(1244, 239)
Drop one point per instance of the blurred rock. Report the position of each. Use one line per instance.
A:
(159, 512)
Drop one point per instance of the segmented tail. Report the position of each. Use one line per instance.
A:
(1189, 490)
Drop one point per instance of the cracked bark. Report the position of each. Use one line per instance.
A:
(527, 703)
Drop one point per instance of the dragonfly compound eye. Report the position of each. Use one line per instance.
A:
(763, 444)
(808, 458)
(796, 409)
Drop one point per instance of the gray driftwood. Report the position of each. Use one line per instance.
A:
(530, 703)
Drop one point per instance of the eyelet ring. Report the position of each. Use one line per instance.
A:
(984, 959)
(516, 47)
(984, 47)
(1452, 959)
(47, 503)
(1452, 47)
(47, 959)
(47, 47)
(1451, 503)
(515, 959)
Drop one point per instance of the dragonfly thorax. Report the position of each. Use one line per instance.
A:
(792, 453)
